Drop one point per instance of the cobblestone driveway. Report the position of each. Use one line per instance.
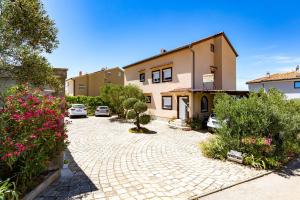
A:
(108, 162)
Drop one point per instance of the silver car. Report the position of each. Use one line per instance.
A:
(102, 111)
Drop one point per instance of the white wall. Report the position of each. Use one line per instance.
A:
(287, 87)
(69, 90)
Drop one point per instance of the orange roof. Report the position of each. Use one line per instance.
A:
(277, 77)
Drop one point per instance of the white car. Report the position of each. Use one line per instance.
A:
(213, 123)
(77, 110)
(102, 111)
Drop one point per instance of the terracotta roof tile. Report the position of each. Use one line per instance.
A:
(277, 77)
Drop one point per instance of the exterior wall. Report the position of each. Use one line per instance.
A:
(218, 62)
(93, 82)
(228, 67)
(287, 87)
(181, 78)
(61, 75)
(197, 104)
(70, 87)
(81, 81)
(96, 80)
(204, 58)
(5, 83)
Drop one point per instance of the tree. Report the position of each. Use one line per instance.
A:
(26, 32)
(136, 110)
(114, 96)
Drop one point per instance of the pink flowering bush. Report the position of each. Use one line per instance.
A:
(32, 132)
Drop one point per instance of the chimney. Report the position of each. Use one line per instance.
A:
(297, 68)
(268, 74)
(163, 51)
(80, 73)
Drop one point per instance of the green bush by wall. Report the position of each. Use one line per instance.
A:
(90, 102)
(265, 126)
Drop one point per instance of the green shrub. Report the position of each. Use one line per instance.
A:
(115, 95)
(8, 191)
(196, 123)
(135, 110)
(216, 147)
(145, 119)
(264, 126)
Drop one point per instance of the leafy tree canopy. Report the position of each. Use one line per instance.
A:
(26, 32)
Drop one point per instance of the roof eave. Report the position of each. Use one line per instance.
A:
(185, 47)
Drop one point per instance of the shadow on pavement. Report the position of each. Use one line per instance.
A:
(120, 120)
(291, 169)
(73, 184)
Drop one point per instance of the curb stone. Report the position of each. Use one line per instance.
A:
(231, 185)
(42, 186)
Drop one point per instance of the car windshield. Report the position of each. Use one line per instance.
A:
(103, 107)
(213, 115)
(77, 106)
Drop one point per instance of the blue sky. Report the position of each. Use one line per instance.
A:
(107, 33)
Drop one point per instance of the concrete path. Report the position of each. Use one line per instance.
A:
(276, 186)
(108, 162)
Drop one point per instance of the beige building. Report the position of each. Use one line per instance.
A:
(181, 83)
(90, 84)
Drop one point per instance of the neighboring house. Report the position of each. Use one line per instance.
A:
(181, 83)
(90, 84)
(288, 83)
(6, 81)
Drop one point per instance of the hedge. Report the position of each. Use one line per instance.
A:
(90, 102)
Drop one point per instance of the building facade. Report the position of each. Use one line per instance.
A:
(181, 83)
(288, 83)
(7, 81)
(90, 84)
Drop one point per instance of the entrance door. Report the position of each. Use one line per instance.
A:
(183, 107)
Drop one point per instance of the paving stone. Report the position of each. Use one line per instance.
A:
(108, 162)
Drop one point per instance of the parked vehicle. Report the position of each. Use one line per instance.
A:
(213, 123)
(102, 111)
(77, 110)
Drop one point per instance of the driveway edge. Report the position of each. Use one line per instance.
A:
(232, 185)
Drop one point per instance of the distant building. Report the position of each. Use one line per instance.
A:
(90, 84)
(7, 81)
(288, 83)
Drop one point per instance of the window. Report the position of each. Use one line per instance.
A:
(204, 104)
(142, 77)
(212, 48)
(148, 99)
(81, 87)
(167, 102)
(156, 76)
(119, 74)
(297, 84)
(167, 75)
